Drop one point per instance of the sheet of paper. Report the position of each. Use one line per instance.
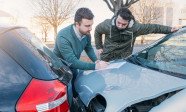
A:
(115, 65)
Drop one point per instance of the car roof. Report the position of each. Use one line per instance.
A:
(6, 27)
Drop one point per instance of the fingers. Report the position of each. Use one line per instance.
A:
(174, 29)
(101, 65)
(100, 51)
(97, 61)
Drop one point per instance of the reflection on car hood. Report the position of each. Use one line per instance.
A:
(124, 86)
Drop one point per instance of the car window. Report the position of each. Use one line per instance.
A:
(168, 56)
(32, 43)
(39, 49)
(46, 56)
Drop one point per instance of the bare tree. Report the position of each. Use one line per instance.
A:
(55, 12)
(115, 5)
(147, 11)
(45, 27)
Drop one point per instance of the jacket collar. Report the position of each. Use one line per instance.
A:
(131, 23)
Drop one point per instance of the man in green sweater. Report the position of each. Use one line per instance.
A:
(72, 40)
(120, 34)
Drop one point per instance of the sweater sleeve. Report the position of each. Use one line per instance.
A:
(144, 29)
(90, 51)
(66, 51)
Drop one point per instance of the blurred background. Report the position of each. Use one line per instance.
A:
(44, 18)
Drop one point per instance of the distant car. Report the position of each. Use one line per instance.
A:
(153, 79)
(32, 78)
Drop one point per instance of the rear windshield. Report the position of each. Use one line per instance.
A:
(32, 43)
(42, 52)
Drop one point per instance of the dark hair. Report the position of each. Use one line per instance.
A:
(125, 14)
(83, 13)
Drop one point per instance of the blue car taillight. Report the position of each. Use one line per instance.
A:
(48, 96)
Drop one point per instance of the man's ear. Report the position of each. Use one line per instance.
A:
(131, 23)
(77, 24)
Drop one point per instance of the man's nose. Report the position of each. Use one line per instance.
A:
(90, 28)
(120, 26)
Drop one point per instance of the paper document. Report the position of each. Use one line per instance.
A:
(115, 65)
(112, 66)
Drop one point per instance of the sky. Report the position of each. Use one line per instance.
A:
(15, 7)
(21, 8)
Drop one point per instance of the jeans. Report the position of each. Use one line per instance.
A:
(75, 73)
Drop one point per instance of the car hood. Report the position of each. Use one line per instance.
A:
(125, 85)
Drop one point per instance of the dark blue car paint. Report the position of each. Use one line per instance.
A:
(13, 81)
(28, 61)
(19, 64)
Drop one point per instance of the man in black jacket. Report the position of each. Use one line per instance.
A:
(120, 34)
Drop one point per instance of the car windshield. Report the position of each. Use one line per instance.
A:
(167, 56)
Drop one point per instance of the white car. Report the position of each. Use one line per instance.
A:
(150, 80)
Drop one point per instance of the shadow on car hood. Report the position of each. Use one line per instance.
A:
(125, 85)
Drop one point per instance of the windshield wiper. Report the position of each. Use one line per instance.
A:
(134, 60)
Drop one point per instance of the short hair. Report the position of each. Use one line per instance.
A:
(125, 13)
(83, 13)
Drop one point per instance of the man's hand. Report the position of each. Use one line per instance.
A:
(97, 61)
(174, 29)
(101, 65)
(99, 51)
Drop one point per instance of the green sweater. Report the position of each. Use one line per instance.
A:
(69, 48)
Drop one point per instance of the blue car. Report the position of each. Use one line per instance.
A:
(32, 78)
(153, 79)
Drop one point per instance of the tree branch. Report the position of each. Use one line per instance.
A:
(109, 6)
(128, 4)
(55, 12)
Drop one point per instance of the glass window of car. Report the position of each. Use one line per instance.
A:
(38, 49)
(168, 55)
(45, 56)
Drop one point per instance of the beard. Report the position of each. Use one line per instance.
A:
(83, 32)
